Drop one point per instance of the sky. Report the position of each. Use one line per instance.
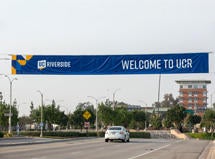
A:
(102, 27)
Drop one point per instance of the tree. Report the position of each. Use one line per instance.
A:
(77, 119)
(84, 106)
(51, 115)
(176, 115)
(121, 116)
(4, 109)
(155, 121)
(105, 114)
(23, 121)
(138, 119)
(209, 120)
(169, 101)
(190, 120)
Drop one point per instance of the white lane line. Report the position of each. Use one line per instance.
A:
(149, 152)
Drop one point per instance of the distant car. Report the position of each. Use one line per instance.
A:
(117, 133)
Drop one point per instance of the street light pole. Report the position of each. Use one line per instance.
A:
(41, 122)
(114, 94)
(145, 113)
(11, 83)
(1, 97)
(96, 112)
(159, 85)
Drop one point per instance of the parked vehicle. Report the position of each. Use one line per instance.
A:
(117, 133)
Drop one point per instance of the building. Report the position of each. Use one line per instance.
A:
(193, 95)
(134, 107)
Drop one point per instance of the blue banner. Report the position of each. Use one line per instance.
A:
(110, 64)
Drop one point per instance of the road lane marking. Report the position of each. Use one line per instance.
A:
(149, 152)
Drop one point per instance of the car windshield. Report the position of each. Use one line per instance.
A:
(115, 128)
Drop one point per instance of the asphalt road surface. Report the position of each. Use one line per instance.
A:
(96, 148)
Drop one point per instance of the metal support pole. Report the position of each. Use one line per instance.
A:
(159, 83)
(10, 107)
(41, 122)
(114, 94)
(96, 112)
(10, 114)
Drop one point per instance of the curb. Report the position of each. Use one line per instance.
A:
(209, 151)
(33, 142)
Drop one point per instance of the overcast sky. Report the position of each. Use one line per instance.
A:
(98, 27)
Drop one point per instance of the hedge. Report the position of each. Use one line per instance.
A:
(79, 134)
(140, 135)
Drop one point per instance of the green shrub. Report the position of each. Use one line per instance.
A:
(140, 135)
(205, 136)
(71, 134)
(1, 134)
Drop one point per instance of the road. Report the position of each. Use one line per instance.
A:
(96, 148)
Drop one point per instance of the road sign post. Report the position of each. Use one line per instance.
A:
(86, 116)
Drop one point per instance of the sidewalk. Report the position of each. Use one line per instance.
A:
(209, 152)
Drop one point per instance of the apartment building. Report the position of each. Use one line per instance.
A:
(193, 95)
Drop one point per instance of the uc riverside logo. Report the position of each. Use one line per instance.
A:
(41, 64)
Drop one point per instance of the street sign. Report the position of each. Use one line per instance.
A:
(87, 124)
(169, 63)
(8, 114)
(86, 115)
(189, 111)
(41, 124)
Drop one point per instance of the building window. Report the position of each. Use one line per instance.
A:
(189, 86)
(205, 93)
(195, 94)
(204, 86)
(190, 100)
(195, 86)
(205, 100)
(181, 86)
(190, 106)
(189, 94)
(180, 100)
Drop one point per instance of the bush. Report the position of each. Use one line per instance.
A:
(80, 134)
(1, 134)
(140, 135)
(205, 136)
(8, 135)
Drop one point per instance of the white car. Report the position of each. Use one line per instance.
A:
(117, 133)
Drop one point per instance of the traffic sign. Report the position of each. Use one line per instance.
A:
(87, 124)
(41, 124)
(189, 111)
(86, 115)
(8, 114)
